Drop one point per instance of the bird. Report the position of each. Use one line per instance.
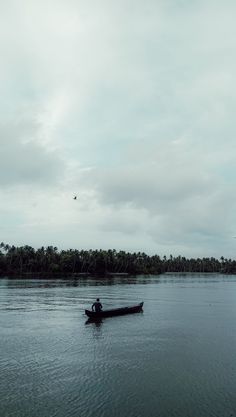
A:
(75, 197)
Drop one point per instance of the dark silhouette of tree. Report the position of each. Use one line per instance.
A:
(25, 260)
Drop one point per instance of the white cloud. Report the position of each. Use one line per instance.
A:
(23, 160)
(131, 106)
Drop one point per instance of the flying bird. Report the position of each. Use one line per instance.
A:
(75, 197)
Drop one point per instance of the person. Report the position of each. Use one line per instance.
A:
(97, 306)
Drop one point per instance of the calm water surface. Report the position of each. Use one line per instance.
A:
(177, 358)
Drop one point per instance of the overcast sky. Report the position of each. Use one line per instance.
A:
(130, 105)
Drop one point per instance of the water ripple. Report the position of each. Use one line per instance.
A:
(175, 359)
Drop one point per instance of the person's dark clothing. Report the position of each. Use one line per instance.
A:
(97, 306)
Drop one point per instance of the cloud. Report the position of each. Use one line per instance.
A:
(131, 106)
(23, 160)
(153, 177)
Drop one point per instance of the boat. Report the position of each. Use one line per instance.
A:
(114, 312)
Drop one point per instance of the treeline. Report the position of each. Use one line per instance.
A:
(182, 264)
(49, 260)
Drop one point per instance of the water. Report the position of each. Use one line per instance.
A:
(177, 358)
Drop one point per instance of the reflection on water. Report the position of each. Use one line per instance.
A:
(176, 359)
(95, 322)
(77, 282)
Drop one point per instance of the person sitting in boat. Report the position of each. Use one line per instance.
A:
(97, 306)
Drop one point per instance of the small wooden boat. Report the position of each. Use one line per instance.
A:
(114, 312)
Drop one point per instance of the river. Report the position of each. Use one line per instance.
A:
(176, 359)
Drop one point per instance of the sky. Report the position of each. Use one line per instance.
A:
(129, 105)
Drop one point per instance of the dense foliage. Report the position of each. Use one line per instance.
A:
(49, 261)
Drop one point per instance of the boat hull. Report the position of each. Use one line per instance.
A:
(114, 312)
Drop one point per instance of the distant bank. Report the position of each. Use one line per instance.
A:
(49, 261)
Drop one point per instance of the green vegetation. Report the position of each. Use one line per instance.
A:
(49, 261)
